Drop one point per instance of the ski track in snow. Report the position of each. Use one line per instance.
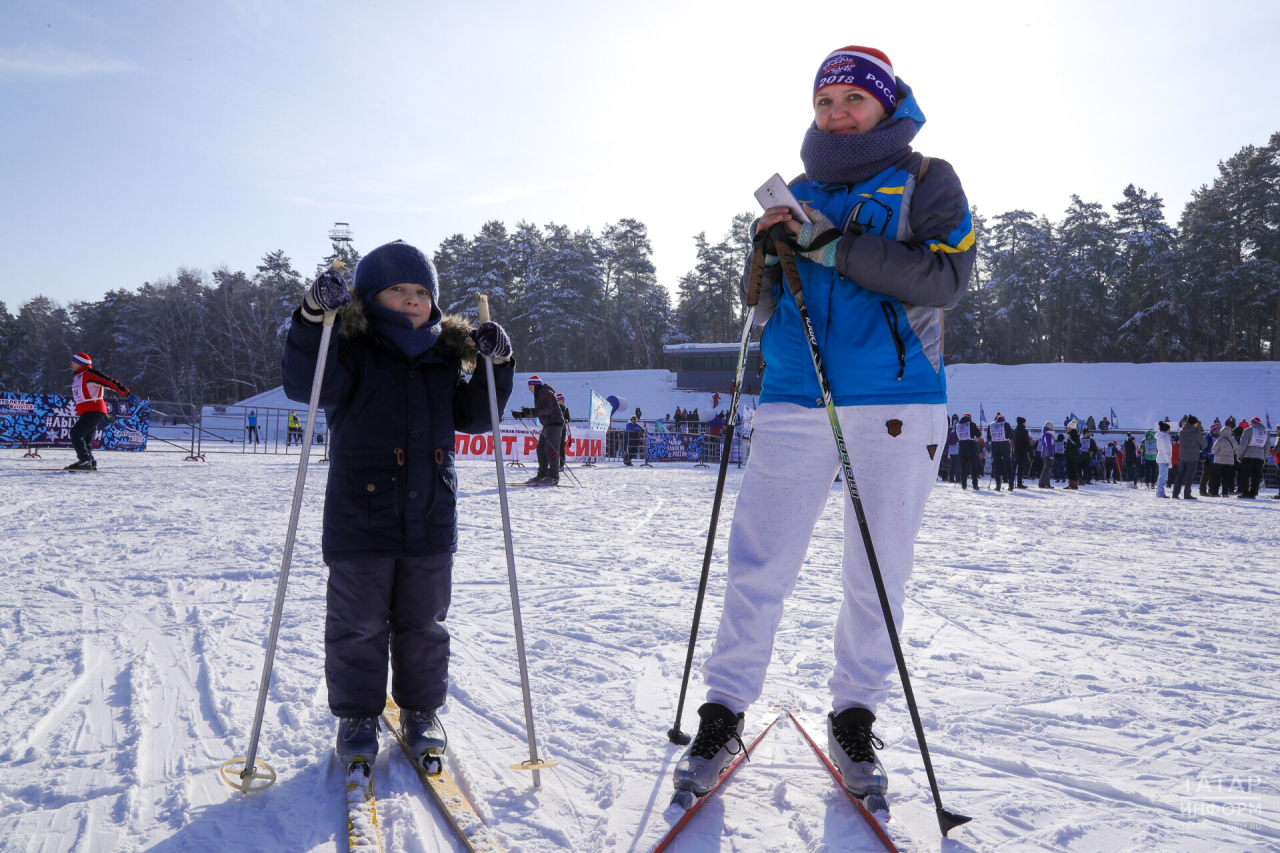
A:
(1088, 665)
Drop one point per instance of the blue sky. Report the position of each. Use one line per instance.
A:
(140, 137)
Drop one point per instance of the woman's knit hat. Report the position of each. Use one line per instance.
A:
(864, 67)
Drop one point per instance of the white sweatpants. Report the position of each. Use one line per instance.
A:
(784, 491)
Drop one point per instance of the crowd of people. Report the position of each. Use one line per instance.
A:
(1226, 460)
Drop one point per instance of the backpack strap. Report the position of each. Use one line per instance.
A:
(924, 168)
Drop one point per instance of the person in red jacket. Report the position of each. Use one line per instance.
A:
(91, 409)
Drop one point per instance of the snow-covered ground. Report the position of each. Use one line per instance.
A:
(1090, 665)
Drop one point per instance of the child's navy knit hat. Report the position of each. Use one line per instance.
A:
(395, 263)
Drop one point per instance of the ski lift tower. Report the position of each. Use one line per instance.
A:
(341, 233)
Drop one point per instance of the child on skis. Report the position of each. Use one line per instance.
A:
(878, 292)
(395, 390)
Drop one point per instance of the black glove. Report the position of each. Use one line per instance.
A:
(492, 341)
(521, 413)
(328, 293)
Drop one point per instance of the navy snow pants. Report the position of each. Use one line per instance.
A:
(376, 603)
(81, 434)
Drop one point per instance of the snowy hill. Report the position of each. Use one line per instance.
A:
(1139, 393)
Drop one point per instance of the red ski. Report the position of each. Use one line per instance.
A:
(835, 775)
(733, 765)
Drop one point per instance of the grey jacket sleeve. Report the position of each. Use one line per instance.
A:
(917, 273)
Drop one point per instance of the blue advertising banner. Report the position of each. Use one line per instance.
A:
(45, 420)
(675, 447)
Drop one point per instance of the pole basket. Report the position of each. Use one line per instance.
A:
(235, 774)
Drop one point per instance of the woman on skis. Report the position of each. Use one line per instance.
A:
(876, 296)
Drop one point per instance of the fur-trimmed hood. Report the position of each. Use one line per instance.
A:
(454, 338)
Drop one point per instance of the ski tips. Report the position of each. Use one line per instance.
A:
(235, 772)
(684, 799)
(948, 821)
(678, 737)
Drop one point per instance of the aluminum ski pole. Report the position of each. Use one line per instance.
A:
(946, 820)
(243, 779)
(674, 734)
(534, 763)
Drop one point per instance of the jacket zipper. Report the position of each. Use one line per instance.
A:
(891, 317)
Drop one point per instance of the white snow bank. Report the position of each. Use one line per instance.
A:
(1139, 393)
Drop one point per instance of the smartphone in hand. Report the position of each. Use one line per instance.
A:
(776, 193)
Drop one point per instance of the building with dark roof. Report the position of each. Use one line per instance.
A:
(710, 367)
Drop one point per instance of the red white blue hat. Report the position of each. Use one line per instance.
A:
(560, 397)
(865, 67)
(82, 358)
(535, 380)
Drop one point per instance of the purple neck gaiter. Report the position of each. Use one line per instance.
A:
(835, 158)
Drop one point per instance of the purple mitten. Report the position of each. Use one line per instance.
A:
(328, 293)
(492, 341)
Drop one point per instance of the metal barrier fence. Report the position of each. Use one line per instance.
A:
(200, 430)
(653, 446)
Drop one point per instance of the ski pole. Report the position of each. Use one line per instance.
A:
(534, 763)
(946, 820)
(244, 779)
(674, 734)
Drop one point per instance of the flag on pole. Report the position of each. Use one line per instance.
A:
(982, 416)
(1114, 420)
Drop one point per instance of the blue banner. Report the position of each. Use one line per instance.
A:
(45, 420)
(675, 447)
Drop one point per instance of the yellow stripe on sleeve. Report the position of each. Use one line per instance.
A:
(965, 245)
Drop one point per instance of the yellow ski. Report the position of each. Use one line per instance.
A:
(363, 831)
(471, 829)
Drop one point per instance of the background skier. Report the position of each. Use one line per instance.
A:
(1254, 443)
(394, 394)
(1022, 451)
(87, 387)
(1164, 457)
(547, 410)
(1048, 448)
(1001, 438)
(564, 436)
(970, 455)
(1190, 443)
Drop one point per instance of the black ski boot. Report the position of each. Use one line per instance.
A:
(853, 750)
(426, 740)
(718, 741)
(357, 741)
(81, 465)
